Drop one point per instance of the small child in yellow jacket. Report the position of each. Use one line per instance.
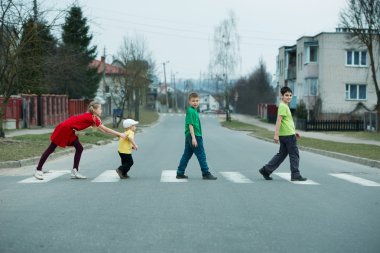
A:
(125, 148)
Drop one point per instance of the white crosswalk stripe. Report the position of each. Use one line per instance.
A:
(236, 177)
(169, 176)
(52, 174)
(355, 179)
(286, 176)
(108, 176)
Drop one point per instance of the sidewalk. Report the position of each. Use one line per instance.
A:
(316, 135)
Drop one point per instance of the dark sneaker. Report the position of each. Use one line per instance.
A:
(126, 176)
(181, 176)
(120, 173)
(299, 178)
(265, 174)
(209, 176)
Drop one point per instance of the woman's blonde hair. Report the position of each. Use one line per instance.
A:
(93, 106)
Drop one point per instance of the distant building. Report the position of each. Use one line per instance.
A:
(109, 75)
(207, 102)
(329, 73)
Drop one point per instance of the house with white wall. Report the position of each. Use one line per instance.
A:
(207, 102)
(109, 79)
(330, 73)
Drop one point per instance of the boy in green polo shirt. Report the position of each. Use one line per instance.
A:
(285, 134)
(193, 141)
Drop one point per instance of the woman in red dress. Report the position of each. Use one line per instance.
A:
(64, 135)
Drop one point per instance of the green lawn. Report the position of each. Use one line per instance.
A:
(27, 146)
(360, 150)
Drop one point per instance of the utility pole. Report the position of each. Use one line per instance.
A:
(175, 93)
(166, 86)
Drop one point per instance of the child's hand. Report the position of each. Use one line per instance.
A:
(276, 138)
(194, 142)
(298, 136)
(135, 147)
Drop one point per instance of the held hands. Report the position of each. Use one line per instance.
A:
(123, 135)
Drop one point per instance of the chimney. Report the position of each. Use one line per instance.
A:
(103, 59)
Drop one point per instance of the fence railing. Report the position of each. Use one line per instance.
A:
(330, 125)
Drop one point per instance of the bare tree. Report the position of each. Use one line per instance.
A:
(13, 15)
(226, 53)
(135, 60)
(362, 19)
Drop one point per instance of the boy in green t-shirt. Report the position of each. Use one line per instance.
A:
(285, 134)
(193, 141)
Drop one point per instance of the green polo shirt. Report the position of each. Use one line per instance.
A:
(287, 123)
(192, 118)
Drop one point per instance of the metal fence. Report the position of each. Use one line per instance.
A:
(370, 121)
(334, 125)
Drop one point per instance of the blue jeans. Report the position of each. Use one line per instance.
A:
(199, 152)
(288, 146)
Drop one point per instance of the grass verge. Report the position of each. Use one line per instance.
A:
(359, 150)
(27, 146)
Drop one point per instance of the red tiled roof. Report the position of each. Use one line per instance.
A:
(104, 67)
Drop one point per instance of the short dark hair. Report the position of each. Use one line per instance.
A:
(193, 95)
(285, 89)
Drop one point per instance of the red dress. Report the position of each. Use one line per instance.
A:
(64, 134)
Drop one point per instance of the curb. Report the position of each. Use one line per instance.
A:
(34, 160)
(349, 158)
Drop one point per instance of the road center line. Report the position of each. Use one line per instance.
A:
(354, 179)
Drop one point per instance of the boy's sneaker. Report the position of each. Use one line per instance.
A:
(39, 174)
(209, 176)
(181, 176)
(75, 175)
(265, 174)
(298, 178)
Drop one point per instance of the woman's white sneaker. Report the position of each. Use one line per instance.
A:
(39, 174)
(76, 175)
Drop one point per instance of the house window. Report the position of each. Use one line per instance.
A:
(356, 58)
(356, 92)
(311, 54)
(311, 87)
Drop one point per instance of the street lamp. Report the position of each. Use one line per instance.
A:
(166, 86)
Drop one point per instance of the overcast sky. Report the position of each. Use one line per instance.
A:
(181, 31)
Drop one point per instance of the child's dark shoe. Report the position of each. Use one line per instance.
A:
(209, 176)
(181, 176)
(265, 174)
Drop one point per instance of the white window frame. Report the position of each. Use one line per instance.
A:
(307, 91)
(360, 53)
(350, 86)
(307, 54)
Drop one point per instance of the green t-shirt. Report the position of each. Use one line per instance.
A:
(287, 123)
(192, 118)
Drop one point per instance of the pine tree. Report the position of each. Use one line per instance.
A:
(39, 45)
(81, 81)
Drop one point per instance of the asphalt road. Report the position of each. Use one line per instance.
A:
(239, 212)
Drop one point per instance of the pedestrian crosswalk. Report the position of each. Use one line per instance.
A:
(169, 176)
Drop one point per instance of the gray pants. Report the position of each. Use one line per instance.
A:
(288, 146)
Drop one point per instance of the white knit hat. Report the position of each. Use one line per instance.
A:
(129, 122)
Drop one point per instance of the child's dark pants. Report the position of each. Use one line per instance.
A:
(288, 146)
(126, 163)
